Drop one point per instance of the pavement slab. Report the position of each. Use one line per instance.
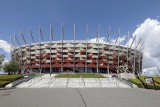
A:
(79, 97)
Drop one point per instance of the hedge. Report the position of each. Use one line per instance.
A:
(148, 86)
(4, 83)
(6, 79)
(10, 77)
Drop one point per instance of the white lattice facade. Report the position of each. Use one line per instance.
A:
(78, 56)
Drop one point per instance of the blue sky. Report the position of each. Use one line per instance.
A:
(19, 15)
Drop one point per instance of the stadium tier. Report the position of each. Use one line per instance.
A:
(77, 56)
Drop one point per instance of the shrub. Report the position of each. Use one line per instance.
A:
(11, 67)
(136, 82)
(10, 77)
(4, 83)
(148, 86)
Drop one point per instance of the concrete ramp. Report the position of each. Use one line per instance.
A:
(51, 82)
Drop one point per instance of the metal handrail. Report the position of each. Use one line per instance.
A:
(67, 82)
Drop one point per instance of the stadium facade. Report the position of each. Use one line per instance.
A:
(77, 56)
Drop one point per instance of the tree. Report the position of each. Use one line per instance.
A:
(11, 67)
(2, 56)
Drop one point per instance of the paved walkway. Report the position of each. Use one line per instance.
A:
(79, 97)
(49, 81)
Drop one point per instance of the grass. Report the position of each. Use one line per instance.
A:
(6, 79)
(37, 75)
(143, 85)
(4, 83)
(80, 76)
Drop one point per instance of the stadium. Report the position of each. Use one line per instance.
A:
(77, 56)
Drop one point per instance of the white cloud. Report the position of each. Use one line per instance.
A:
(101, 40)
(5, 61)
(149, 32)
(151, 71)
(120, 40)
(5, 46)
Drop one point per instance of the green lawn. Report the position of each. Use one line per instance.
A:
(149, 86)
(37, 75)
(80, 76)
(6, 79)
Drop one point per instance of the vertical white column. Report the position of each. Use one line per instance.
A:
(51, 39)
(118, 51)
(74, 34)
(98, 49)
(30, 46)
(62, 34)
(108, 50)
(86, 47)
(30, 52)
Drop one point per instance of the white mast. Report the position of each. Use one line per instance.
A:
(20, 52)
(98, 49)
(134, 65)
(62, 34)
(30, 33)
(118, 50)
(40, 36)
(127, 51)
(108, 49)
(51, 39)
(140, 56)
(86, 47)
(130, 49)
(74, 46)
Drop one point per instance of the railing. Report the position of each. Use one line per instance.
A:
(83, 81)
(115, 81)
(125, 82)
(67, 82)
(99, 81)
(128, 82)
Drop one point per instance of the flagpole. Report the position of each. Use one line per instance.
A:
(142, 59)
(39, 53)
(116, 46)
(98, 49)
(86, 47)
(22, 64)
(134, 63)
(123, 53)
(21, 52)
(62, 34)
(140, 56)
(13, 47)
(30, 52)
(108, 49)
(30, 33)
(23, 38)
(51, 39)
(127, 52)
(74, 46)
(130, 50)
(118, 51)
(40, 36)
(10, 47)
(134, 69)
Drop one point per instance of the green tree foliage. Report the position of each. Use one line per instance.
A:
(11, 67)
(2, 56)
